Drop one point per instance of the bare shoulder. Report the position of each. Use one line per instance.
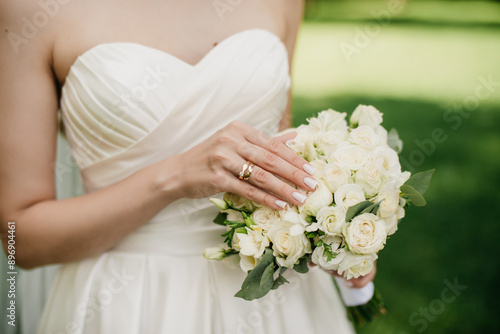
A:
(26, 28)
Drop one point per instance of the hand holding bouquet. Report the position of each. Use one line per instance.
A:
(343, 223)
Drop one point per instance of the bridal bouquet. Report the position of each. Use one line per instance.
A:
(344, 222)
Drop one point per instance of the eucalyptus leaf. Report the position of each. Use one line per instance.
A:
(281, 279)
(302, 267)
(420, 181)
(267, 277)
(413, 195)
(371, 209)
(354, 210)
(251, 288)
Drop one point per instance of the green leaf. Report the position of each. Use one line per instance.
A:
(267, 277)
(221, 218)
(251, 288)
(371, 209)
(413, 195)
(354, 210)
(310, 235)
(249, 222)
(301, 266)
(328, 252)
(281, 279)
(420, 181)
(241, 230)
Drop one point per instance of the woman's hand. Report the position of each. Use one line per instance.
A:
(359, 282)
(214, 165)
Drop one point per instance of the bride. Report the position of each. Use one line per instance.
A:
(162, 103)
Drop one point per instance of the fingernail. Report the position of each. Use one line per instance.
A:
(299, 196)
(311, 183)
(349, 284)
(280, 203)
(309, 169)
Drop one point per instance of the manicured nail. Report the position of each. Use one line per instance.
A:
(280, 203)
(311, 183)
(299, 196)
(309, 169)
(349, 284)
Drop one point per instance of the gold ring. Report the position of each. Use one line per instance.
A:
(246, 171)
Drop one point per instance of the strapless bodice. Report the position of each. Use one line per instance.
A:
(126, 106)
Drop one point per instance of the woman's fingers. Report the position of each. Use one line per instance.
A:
(275, 164)
(276, 147)
(265, 180)
(249, 191)
(286, 137)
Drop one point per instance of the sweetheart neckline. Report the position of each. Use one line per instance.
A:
(167, 54)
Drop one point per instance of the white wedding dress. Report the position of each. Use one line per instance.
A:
(126, 106)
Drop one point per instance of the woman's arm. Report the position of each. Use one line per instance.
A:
(54, 231)
(49, 231)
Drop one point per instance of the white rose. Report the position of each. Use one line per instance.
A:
(366, 115)
(329, 120)
(305, 135)
(382, 135)
(240, 202)
(265, 217)
(291, 214)
(327, 141)
(214, 253)
(319, 259)
(354, 266)
(391, 224)
(365, 234)
(319, 165)
(392, 221)
(400, 212)
(287, 249)
(350, 156)
(386, 159)
(316, 200)
(331, 219)
(401, 179)
(388, 197)
(349, 195)
(369, 179)
(335, 176)
(365, 137)
(253, 243)
(248, 262)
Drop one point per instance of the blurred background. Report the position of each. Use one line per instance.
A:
(433, 69)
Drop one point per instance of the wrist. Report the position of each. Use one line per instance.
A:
(167, 179)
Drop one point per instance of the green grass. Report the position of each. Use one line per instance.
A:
(414, 73)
